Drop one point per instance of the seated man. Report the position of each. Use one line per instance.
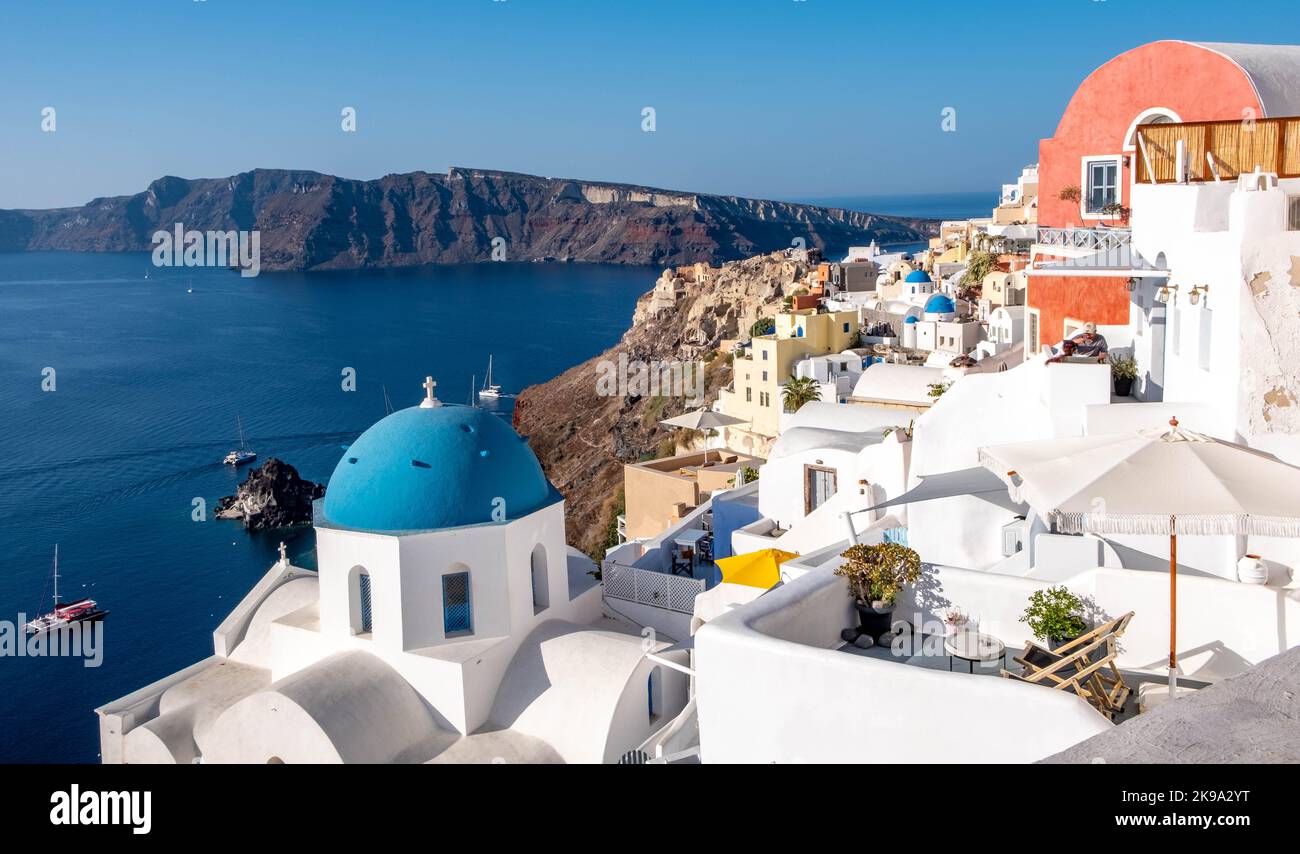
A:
(1089, 343)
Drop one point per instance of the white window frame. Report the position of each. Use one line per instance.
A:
(1085, 168)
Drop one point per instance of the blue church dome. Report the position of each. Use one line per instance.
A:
(918, 276)
(435, 467)
(910, 319)
(939, 304)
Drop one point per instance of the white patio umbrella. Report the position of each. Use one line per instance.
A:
(702, 419)
(1165, 481)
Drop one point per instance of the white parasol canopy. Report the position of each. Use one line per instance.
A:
(702, 419)
(1168, 481)
(1165, 481)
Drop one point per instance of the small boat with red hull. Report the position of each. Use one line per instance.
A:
(65, 613)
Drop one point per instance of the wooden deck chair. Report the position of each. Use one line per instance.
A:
(1115, 691)
(1088, 671)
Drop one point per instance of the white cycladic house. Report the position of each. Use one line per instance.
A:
(448, 622)
(835, 374)
(1006, 329)
(1228, 333)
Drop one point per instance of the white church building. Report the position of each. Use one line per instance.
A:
(448, 622)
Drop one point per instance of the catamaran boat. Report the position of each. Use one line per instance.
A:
(489, 391)
(64, 615)
(240, 455)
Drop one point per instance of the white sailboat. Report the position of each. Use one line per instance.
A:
(240, 455)
(489, 391)
(63, 615)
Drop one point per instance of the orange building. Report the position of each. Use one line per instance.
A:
(1083, 259)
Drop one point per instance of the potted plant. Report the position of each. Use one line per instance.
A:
(1116, 210)
(876, 574)
(1054, 615)
(1123, 371)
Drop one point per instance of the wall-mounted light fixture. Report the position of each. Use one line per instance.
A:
(1166, 293)
(1133, 283)
(1194, 295)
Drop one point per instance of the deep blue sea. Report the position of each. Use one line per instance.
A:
(149, 381)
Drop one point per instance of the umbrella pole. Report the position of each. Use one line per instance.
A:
(1173, 606)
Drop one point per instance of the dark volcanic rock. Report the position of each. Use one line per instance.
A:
(310, 221)
(273, 496)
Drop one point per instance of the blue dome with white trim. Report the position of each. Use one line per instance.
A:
(940, 304)
(918, 276)
(435, 467)
(910, 319)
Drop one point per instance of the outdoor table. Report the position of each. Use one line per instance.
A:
(690, 538)
(972, 647)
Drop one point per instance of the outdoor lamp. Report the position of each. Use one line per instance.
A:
(1133, 283)
(1166, 293)
(1194, 296)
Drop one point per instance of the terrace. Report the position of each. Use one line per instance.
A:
(661, 492)
(1217, 151)
(777, 649)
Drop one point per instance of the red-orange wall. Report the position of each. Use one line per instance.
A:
(1195, 83)
(1101, 300)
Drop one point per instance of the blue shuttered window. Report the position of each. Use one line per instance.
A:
(457, 610)
(363, 582)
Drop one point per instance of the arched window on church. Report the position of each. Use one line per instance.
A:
(654, 687)
(541, 582)
(457, 607)
(360, 604)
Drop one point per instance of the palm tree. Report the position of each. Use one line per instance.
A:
(798, 391)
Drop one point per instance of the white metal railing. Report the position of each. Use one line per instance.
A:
(647, 587)
(622, 525)
(1085, 238)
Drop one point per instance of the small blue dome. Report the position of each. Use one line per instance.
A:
(439, 467)
(918, 276)
(939, 304)
(910, 319)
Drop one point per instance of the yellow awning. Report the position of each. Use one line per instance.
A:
(755, 569)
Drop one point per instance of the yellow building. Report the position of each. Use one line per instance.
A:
(758, 378)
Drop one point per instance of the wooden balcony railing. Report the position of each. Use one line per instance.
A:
(1219, 150)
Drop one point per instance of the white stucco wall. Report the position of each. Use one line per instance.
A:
(771, 688)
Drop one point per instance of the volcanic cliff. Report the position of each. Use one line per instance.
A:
(584, 437)
(310, 221)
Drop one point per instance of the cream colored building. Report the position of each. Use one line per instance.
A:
(1004, 288)
(660, 493)
(758, 378)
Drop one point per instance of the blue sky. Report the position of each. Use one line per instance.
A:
(771, 98)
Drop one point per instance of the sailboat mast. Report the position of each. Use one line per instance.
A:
(240, 422)
(487, 383)
(56, 575)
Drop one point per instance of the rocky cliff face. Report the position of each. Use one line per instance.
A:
(273, 496)
(310, 221)
(584, 437)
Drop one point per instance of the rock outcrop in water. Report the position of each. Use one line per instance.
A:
(273, 496)
(310, 221)
(584, 438)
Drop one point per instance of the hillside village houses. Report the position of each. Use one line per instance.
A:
(1201, 259)
(436, 631)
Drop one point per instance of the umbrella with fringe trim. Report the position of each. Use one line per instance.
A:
(1165, 481)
